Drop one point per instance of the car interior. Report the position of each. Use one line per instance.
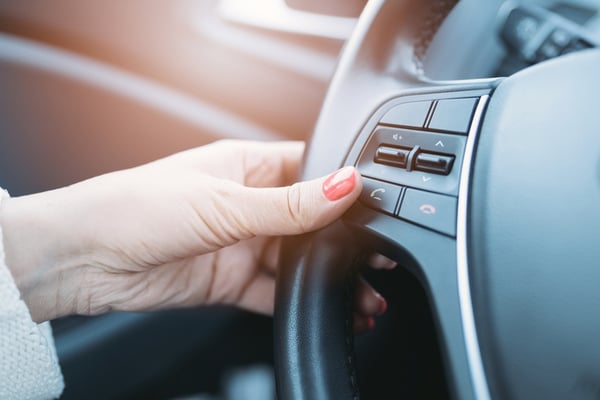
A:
(473, 123)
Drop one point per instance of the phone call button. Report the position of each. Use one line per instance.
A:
(381, 196)
(431, 210)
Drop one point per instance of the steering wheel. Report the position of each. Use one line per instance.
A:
(487, 190)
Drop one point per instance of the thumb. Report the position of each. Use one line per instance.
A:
(301, 207)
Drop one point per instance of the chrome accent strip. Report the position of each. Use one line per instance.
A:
(474, 360)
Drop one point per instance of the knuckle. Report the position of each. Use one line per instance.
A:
(296, 209)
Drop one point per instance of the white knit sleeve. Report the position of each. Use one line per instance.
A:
(29, 366)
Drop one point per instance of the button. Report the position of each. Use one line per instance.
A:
(408, 114)
(560, 38)
(557, 43)
(434, 163)
(576, 45)
(395, 157)
(547, 51)
(453, 115)
(520, 28)
(379, 195)
(433, 211)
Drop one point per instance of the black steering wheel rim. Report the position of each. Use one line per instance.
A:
(377, 72)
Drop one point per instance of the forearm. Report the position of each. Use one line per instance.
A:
(29, 367)
(38, 254)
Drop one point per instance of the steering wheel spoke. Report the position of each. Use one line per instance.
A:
(433, 259)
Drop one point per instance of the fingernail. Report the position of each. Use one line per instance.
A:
(339, 184)
(382, 306)
(363, 324)
(370, 323)
(380, 261)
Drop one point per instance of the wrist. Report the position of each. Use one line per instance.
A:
(37, 254)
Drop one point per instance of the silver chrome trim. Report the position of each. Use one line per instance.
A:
(474, 360)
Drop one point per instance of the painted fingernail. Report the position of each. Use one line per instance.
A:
(361, 325)
(380, 261)
(339, 184)
(370, 323)
(382, 306)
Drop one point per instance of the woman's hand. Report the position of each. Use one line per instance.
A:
(198, 227)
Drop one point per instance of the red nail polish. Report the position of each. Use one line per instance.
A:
(339, 184)
(370, 323)
(382, 306)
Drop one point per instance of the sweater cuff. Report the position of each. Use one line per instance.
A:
(29, 366)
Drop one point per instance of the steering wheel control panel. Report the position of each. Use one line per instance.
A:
(534, 34)
(423, 160)
(410, 156)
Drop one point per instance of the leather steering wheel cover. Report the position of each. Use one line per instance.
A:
(534, 224)
(313, 328)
